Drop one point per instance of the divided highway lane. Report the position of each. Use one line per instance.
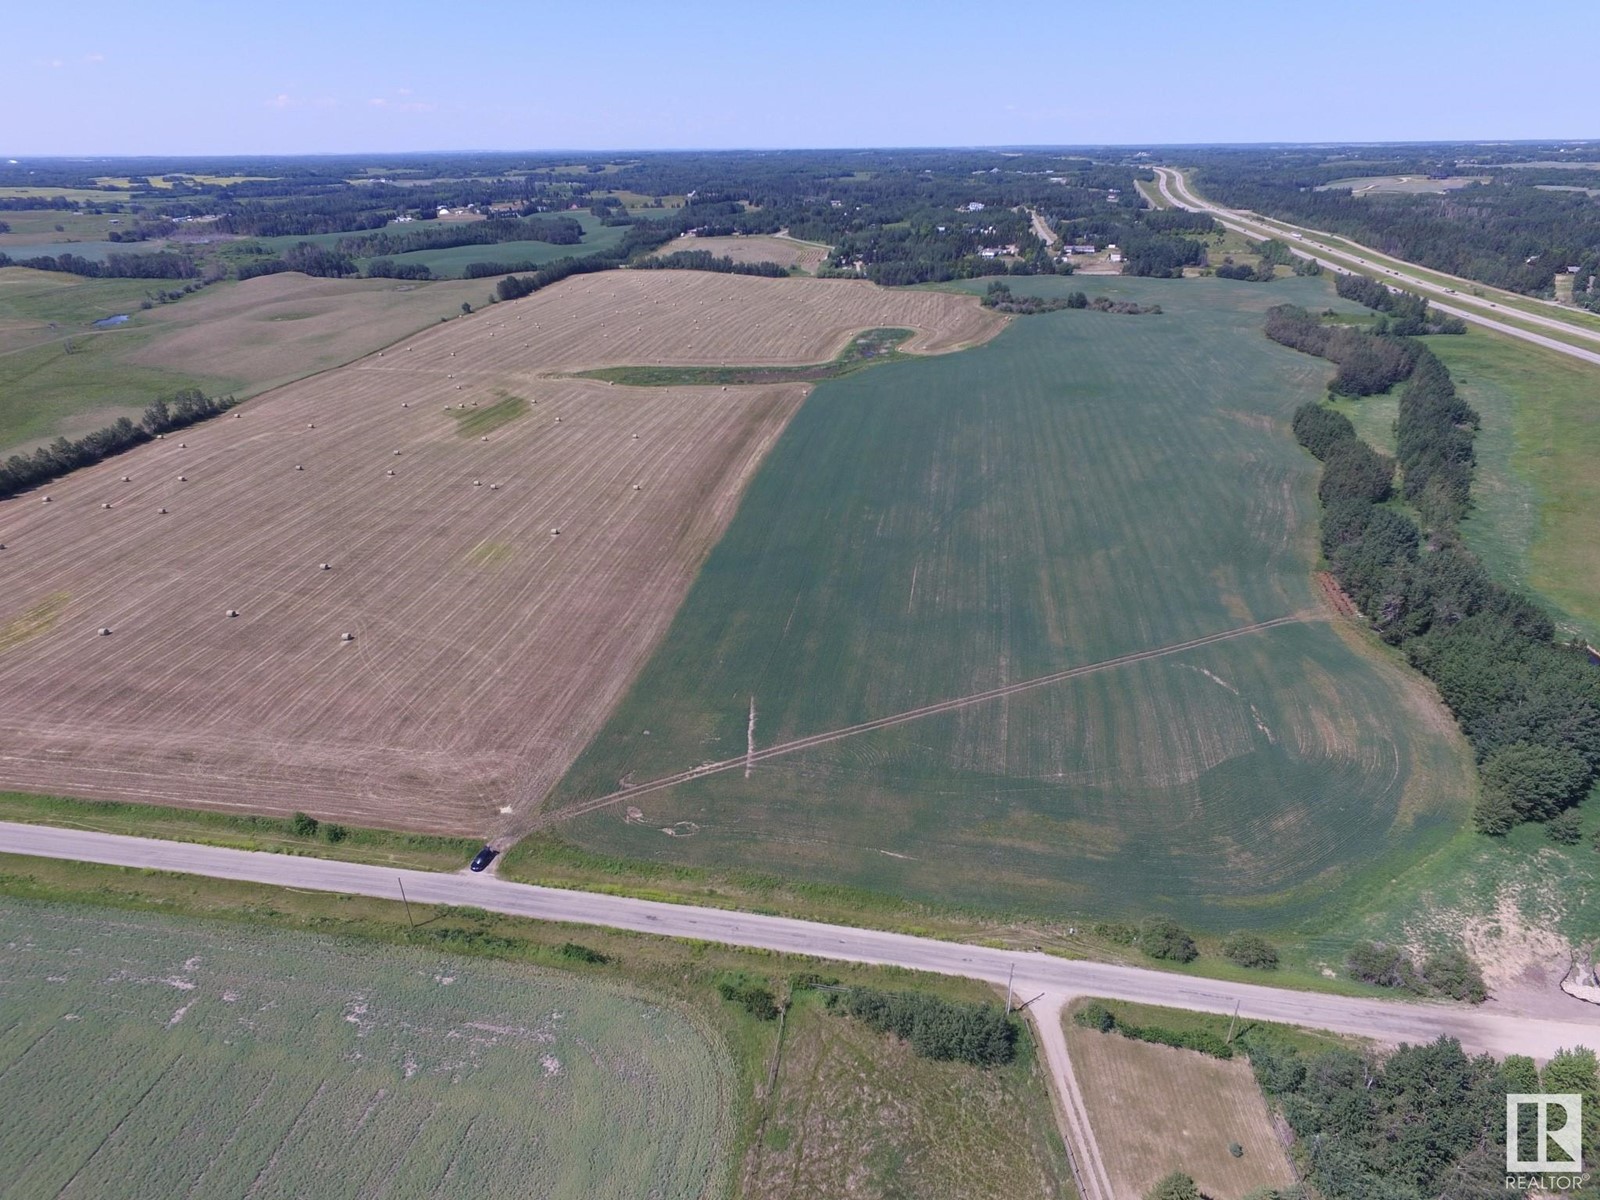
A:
(1174, 188)
(1490, 1027)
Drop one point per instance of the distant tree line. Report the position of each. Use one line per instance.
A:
(1530, 706)
(19, 472)
(387, 268)
(1262, 273)
(643, 238)
(559, 231)
(704, 260)
(162, 264)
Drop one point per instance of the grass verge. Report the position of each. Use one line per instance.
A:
(419, 852)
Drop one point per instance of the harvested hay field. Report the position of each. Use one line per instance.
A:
(487, 648)
(691, 318)
(1156, 1109)
(785, 251)
(276, 328)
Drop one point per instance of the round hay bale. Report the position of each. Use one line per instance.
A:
(347, 637)
(46, 500)
(555, 533)
(477, 483)
(105, 631)
(311, 425)
(405, 406)
(183, 479)
(327, 566)
(637, 488)
(127, 479)
(389, 472)
(183, 445)
(236, 416)
(161, 437)
(485, 437)
(298, 467)
(107, 505)
(397, 454)
(161, 511)
(494, 487)
(233, 612)
(636, 437)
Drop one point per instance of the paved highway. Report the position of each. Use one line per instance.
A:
(1490, 1027)
(1469, 308)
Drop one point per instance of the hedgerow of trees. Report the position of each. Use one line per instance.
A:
(1530, 706)
(20, 472)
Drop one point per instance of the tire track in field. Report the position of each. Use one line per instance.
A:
(914, 714)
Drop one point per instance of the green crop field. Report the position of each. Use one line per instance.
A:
(146, 1056)
(1085, 487)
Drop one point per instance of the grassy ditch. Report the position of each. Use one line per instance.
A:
(419, 852)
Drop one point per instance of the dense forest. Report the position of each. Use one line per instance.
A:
(1529, 705)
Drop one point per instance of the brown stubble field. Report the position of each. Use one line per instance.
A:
(487, 650)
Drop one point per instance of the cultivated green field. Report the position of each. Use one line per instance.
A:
(146, 1056)
(1085, 487)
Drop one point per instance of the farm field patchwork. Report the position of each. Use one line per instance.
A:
(1157, 1109)
(167, 1057)
(1084, 487)
(486, 648)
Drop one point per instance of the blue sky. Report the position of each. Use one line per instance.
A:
(293, 76)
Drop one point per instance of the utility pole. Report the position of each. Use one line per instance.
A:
(1011, 975)
(404, 901)
(1231, 1020)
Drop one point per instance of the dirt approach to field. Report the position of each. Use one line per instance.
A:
(785, 251)
(485, 648)
(1156, 1109)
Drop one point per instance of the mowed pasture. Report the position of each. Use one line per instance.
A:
(1156, 1109)
(156, 1057)
(1083, 488)
(755, 248)
(486, 647)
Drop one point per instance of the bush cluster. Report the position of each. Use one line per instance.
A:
(1098, 1016)
(754, 996)
(1448, 972)
(979, 1034)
